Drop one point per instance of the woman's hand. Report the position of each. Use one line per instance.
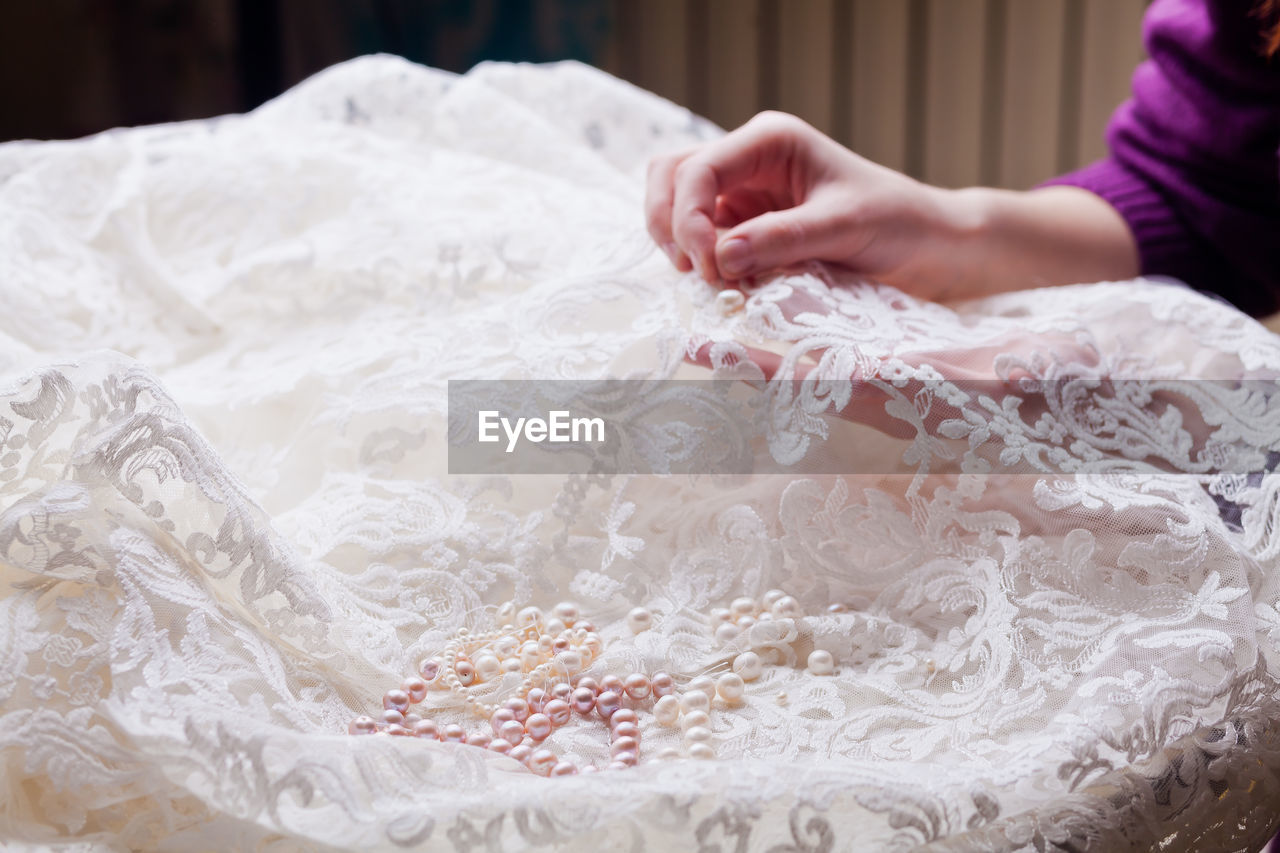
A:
(776, 192)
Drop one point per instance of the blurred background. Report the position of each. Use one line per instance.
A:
(957, 92)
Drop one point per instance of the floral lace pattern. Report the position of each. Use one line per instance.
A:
(226, 522)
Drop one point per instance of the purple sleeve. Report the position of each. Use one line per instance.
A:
(1195, 154)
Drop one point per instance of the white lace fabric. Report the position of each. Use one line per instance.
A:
(227, 526)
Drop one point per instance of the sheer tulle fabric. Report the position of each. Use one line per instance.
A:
(227, 525)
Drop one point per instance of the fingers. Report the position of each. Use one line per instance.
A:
(815, 230)
(659, 196)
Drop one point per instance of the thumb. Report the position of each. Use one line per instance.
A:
(780, 238)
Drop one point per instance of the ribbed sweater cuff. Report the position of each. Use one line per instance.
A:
(1161, 236)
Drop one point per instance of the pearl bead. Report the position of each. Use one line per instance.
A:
(500, 716)
(584, 700)
(392, 717)
(568, 663)
(426, 729)
(555, 627)
(745, 622)
(520, 752)
(362, 725)
(589, 683)
(771, 598)
(562, 691)
(560, 644)
(454, 734)
(529, 655)
(667, 710)
(466, 672)
(546, 645)
(410, 720)
(512, 664)
(701, 751)
(537, 699)
(748, 665)
(719, 615)
(694, 700)
(585, 625)
(430, 669)
(782, 698)
(505, 647)
(730, 687)
(396, 699)
(542, 761)
(557, 711)
(786, 608)
(697, 734)
(623, 715)
(821, 662)
(837, 608)
(487, 667)
(398, 731)
(703, 683)
(618, 765)
(662, 684)
(564, 768)
(693, 719)
(730, 301)
(416, 689)
(727, 632)
(519, 708)
(626, 759)
(743, 607)
(593, 645)
(500, 745)
(624, 744)
(607, 703)
(668, 754)
(506, 612)
(624, 729)
(538, 727)
(511, 731)
(480, 739)
(529, 617)
(637, 686)
(613, 684)
(639, 620)
(566, 612)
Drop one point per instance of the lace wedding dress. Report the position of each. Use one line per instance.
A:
(228, 525)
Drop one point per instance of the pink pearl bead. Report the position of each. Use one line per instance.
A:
(466, 672)
(396, 700)
(558, 711)
(392, 717)
(416, 688)
(623, 715)
(585, 625)
(410, 720)
(480, 739)
(589, 683)
(623, 760)
(426, 729)
(542, 761)
(500, 745)
(637, 686)
(398, 731)
(520, 753)
(561, 691)
(588, 769)
(560, 644)
(538, 727)
(429, 669)
(584, 701)
(624, 745)
(564, 768)
(512, 731)
(537, 698)
(612, 684)
(519, 707)
(454, 734)
(608, 703)
(622, 730)
(662, 684)
(500, 716)
(362, 726)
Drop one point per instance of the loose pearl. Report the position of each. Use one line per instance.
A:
(537, 698)
(701, 751)
(623, 715)
(397, 699)
(568, 663)
(410, 720)
(694, 719)
(730, 301)
(584, 700)
(771, 598)
(542, 761)
(426, 729)
(561, 691)
(392, 717)
(668, 754)
(781, 698)
(362, 725)
(821, 662)
(530, 617)
(694, 700)
(667, 710)
(500, 745)
(743, 607)
(398, 731)
(697, 734)
(589, 683)
(529, 655)
(637, 686)
(727, 633)
(612, 683)
(639, 620)
(429, 669)
(703, 683)
(593, 645)
(455, 734)
(557, 711)
(585, 625)
(546, 645)
(466, 672)
(538, 726)
(662, 684)
(555, 627)
(720, 614)
(566, 612)
(786, 608)
(626, 759)
(607, 703)
(730, 687)
(560, 644)
(748, 665)
(488, 667)
(624, 729)
(416, 688)
(511, 731)
(837, 608)
(479, 739)
(505, 647)
(506, 612)
(512, 665)
(624, 744)
(745, 622)
(519, 708)
(564, 768)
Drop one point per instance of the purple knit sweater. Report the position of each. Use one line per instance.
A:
(1195, 153)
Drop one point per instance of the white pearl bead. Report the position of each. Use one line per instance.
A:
(718, 615)
(743, 607)
(786, 608)
(702, 751)
(821, 662)
(782, 697)
(507, 612)
(694, 700)
(568, 663)
(530, 617)
(529, 655)
(771, 598)
(667, 710)
(506, 646)
(693, 719)
(488, 667)
(555, 627)
(639, 620)
(727, 632)
(566, 612)
(745, 622)
(542, 761)
(748, 665)
(730, 687)
(697, 734)
(729, 301)
(703, 683)
(512, 665)
(668, 754)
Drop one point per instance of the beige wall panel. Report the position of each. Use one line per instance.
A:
(1112, 49)
(805, 60)
(733, 61)
(662, 47)
(879, 87)
(953, 92)
(1032, 86)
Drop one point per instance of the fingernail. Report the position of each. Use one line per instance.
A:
(735, 257)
